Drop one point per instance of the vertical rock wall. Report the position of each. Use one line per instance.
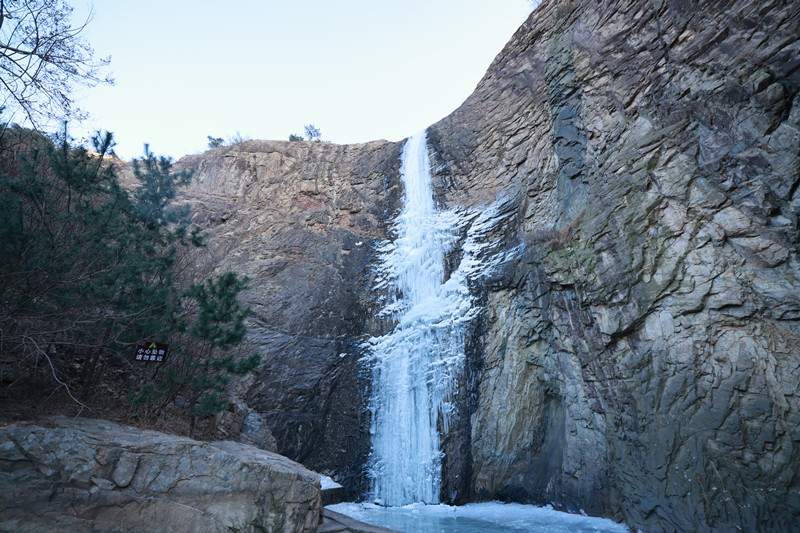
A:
(642, 357)
(300, 219)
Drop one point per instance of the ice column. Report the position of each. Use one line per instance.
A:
(415, 365)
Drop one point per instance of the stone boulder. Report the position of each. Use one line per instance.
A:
(95, 475)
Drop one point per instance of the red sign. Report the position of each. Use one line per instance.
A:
(151, 352)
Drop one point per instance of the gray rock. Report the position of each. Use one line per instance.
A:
(640, 361)
(300, 219)
(95, 475)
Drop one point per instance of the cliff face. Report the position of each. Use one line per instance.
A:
(300, 220)
(640, 358)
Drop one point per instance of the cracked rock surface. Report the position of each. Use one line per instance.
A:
(642, 359)
(95, 475)
(301, 219)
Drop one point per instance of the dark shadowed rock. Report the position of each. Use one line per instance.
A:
(301, 220)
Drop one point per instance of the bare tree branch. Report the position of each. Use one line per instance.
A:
(43, 58)
(53, 372)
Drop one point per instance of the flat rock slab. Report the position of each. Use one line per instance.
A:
(94, 475)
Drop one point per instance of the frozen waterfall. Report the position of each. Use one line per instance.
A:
(415, 366)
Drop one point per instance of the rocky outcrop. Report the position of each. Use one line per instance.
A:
(639, 359)
(301, 219)
(94, 475)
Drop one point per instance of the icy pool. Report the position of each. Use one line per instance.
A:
(492, 517)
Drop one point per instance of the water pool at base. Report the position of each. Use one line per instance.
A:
(491, 517)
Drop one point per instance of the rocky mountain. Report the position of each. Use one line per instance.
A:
(649, 335)
(639, 358)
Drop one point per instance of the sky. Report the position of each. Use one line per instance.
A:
(358, 70)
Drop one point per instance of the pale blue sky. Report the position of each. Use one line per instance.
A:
(357, 69)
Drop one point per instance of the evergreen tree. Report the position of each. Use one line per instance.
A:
(88, 270)
(312, 133)
(215, 142)
(83, 263)
(218, 330)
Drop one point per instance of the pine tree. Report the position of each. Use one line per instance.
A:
(218, 330)
(88, 270)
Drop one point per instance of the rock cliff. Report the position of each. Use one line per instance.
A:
(301, 219)
(94, 475)
(640, 358)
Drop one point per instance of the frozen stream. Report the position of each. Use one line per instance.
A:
(476, 518)
(416, 364)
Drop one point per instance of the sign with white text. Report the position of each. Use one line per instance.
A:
(151, 352)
